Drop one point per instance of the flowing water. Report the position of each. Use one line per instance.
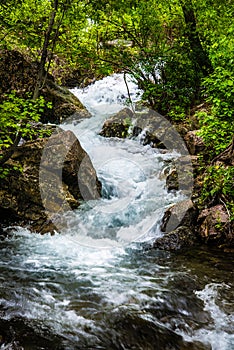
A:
(98, 285)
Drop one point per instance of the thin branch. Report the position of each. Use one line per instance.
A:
(131, 35)
(129, 96)
(53, 46)
(44, 51)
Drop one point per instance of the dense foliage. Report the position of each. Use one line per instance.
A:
(179, 51)
(18, 116)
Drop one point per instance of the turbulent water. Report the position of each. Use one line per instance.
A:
(98, 285)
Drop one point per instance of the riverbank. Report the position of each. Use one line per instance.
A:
(99, 282)
(212, 223)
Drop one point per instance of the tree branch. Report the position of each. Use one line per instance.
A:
(44, 51)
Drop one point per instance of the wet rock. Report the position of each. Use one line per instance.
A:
(23, 74)
(125, 332)
(153, 124)
(194, 142)
(133, 331)
(56, 176)
(182, 237)
(152, 140)
(172, 183)
(181, 175)
(128, 124)
(179, 296)
(214, 224)
(183, 213)
(118, 125)
(19, 334)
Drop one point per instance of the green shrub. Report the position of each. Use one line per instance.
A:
(16, 116)
(218, 186)
(217, 126)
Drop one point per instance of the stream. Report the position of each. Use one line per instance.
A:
(98, 284)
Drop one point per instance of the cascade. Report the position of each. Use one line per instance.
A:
(95, 286)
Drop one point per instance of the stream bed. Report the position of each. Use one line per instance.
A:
(98, 284)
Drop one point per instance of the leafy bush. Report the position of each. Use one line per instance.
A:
(217, 127)
(17, 116)
(215, 132)
(218, 185)
(170, 85)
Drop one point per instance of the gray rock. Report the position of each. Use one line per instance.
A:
(180, 214)
(128, 124)
(180, 238)
(118, 125)
(172, 183)
(56, 176)
(65, 104)
(158, 131)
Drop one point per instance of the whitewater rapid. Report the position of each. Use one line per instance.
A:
(97, 284)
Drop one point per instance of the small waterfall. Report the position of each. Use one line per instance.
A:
(134, 193)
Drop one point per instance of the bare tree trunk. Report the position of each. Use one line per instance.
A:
(44, 54)
(200, 55)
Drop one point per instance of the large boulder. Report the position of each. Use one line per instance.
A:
(64, 104)
(23, 75)
(178, 226)
(49, 176)
(214, 225)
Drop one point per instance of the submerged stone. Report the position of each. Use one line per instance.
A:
(134, 331)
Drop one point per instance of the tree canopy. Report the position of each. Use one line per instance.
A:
(180, 52)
